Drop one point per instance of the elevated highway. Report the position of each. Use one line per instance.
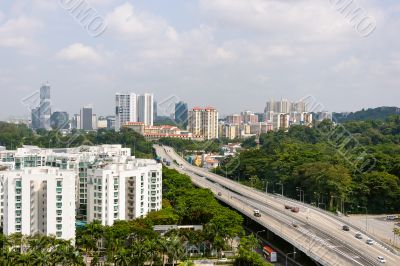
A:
(318, 233)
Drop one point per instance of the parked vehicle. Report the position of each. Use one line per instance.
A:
(257, 213)
(345, 228)
(168, 163)
(391, 217)
(295, 209)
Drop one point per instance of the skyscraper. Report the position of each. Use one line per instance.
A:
(125, 109)
(45, 107)
(41, 114)
(181, 112)
(145, 109)
(86, 118)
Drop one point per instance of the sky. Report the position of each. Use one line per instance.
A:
(230, 54)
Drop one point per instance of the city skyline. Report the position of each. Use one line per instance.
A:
(209, 49)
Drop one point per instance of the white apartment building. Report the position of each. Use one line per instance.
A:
(39, 200)
(87, 162)
(204, 122)
(124, 191)
(146, 109)
(125, 109)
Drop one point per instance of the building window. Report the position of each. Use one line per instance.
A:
(59, 205)
(18, 184)
(59, 226)
(59, 183)
(58, 234)
(59, 198)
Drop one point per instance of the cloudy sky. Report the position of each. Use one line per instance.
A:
(231, 54)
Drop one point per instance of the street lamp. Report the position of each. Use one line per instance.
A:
(292, 253)
(300, 191)
(259, 232)
(366, 216)
(280, 183)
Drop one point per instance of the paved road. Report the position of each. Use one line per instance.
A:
(319, 234)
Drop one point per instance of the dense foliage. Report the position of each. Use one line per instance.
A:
(13, 136)
(380, 113)
(247, 255)
(37, 250)
(182, 145)
(343, 167)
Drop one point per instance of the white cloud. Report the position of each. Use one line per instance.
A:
(18, 33)
(349, 66)
(80, 53)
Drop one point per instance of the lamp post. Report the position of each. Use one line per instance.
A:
(259, 232)
(291, 253)
(280, 183)
(266, 187)
(366, 216)
(300, 191)
(317, 194)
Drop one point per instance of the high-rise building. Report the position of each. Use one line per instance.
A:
(249, 117)
(39, 201)
(45, 107)
(204, 122)
(125, 109)
(155, 109)
(59, 120)
(41, 115)
(145, 109)
(234, 119)
(110, 122)
(35, 116)
(138, 190)
(86, 117)
(181, 113)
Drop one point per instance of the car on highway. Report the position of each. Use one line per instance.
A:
(295, 209)
(219, 194)
(359, 236)
(369, 241)
(381, 259)
(345, 228)
(257, 213)
(288, 207)
(294, 224)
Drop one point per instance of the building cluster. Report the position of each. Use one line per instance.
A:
(278, 115)
(131, 108)
(47, 191)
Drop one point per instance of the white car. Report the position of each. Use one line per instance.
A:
(381, 259)
(370, 242)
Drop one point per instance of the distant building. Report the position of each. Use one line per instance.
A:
(249, 117)
(145, 109)
(181, 113)
(234, 119)
(204, 122)
(59, 120)
(101, 122)
(35, 118)
(155, 110)
(110, 122)
(125, 109)
(41, 115)
(45, 107)
(86, 117)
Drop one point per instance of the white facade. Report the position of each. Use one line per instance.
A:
(124, 191)
(104, 162)
(125, 108)
(39, 200)
(146, 109)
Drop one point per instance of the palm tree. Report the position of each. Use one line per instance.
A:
(176, 250)
(24, 258)
(122, 257)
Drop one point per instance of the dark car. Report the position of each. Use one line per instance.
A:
(346, 228)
